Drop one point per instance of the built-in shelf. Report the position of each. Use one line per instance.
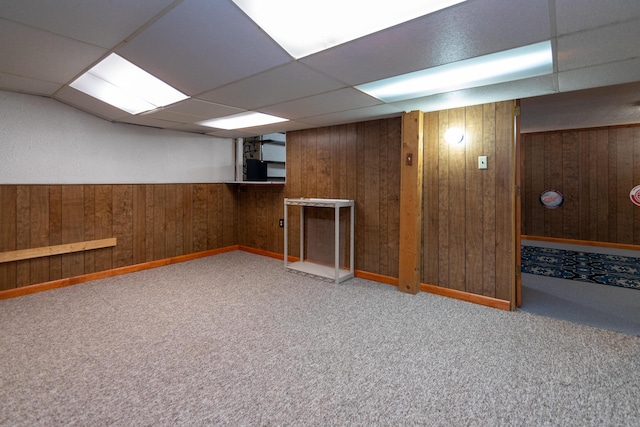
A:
(256, 182)
(263, 159)
(335, 273)
(320, 270)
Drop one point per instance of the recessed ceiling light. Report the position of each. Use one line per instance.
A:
(242, 120)
(509, 65)
(304, 27)
(120, 83)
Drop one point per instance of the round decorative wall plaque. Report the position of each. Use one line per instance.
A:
(635, 195)
(551, 199)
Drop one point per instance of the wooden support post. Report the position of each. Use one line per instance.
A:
(411, 203)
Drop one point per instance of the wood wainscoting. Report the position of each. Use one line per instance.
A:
(150, 222)
(469, 214)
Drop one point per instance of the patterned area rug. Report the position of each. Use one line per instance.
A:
(612, 270)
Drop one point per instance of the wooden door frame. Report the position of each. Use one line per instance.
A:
(517, 206)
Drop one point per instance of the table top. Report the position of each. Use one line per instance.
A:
(304, 201)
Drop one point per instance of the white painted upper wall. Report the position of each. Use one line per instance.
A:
(43, 141)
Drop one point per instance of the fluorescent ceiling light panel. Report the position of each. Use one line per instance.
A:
(242, 120)
(306, 27)
(506, 66)
(120, 83)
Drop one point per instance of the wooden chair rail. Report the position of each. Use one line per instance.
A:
(66, 248)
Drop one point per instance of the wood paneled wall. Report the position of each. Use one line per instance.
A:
(595, 169)
(358, 161)
(150, 222)
(468, 214)
(260, 207)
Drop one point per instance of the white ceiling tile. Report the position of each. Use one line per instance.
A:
(277, 127)
(606, 106)
(80, 100)
(29, 52)
(330, 102)
(599, 46)
(98, 22)
(27, 85)
(168, 115)
(203, 44)
(578, 15)
(290, 81)
(462, 31)
(600, 75)
(360, 114)
(259, 130)
(221, 133)
(191, 127)
(147, 121)
(197, 107)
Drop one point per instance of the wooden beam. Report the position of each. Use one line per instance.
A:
(411, 202)
(56, 250)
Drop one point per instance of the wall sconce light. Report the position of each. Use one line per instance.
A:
(454, 135)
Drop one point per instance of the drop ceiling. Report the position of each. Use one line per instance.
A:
(213, 52)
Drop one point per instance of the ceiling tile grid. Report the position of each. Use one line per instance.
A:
(213, 52)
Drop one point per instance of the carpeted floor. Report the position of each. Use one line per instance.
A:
(236, 340)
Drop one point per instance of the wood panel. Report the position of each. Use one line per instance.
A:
(431, 200)
(73, 228)
(595, 169)
(473, 210)
(457, 206)
(39, 231)
(22, 233)
(489, 208)
(356, 161)
(148, 220)
(505, 201)
(391, 196)
(468, 214)
(103, 222)
(8, 222)
(372, 197)
(89, 227)
(259, 210)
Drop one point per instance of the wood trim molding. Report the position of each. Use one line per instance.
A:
(377, 277)
(437, 290)
(41, 287)
(624, 246)
(66, 248)
(466, 296)
(269, 254)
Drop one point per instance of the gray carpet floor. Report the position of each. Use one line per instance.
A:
(236, 340)
(609, 307)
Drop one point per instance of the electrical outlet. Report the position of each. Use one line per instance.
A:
(281, 223)
(482, 162)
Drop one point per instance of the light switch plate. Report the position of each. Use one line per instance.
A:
(482, 162)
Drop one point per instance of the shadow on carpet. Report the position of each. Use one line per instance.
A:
(612, 270)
